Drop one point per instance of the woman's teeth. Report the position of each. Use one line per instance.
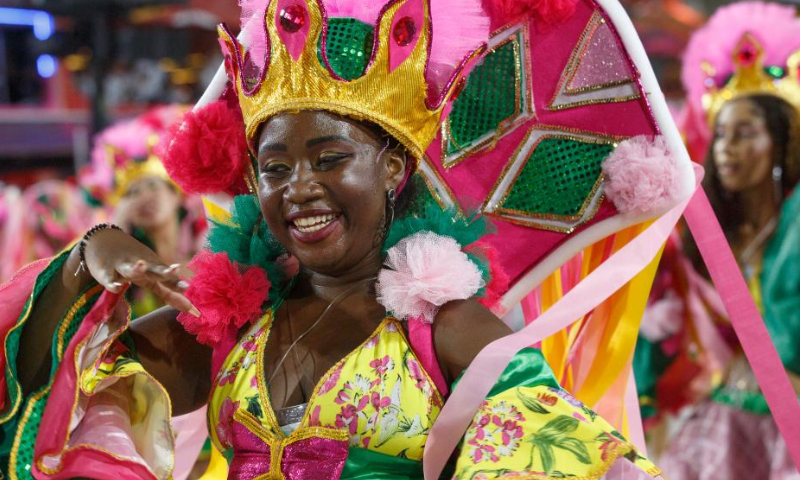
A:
(312, 224)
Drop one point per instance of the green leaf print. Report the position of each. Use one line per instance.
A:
(254, 407)
(531, 403)
(554, 435)
(576, 447)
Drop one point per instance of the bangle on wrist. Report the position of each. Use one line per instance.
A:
(85, 240)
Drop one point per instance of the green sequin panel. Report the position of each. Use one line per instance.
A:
(558, 177)
(349, 45)
(488, 99)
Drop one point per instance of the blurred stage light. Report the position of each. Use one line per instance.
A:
(46, 65)
(41, 22)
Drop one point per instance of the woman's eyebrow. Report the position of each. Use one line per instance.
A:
(272, 147)
(328, 138)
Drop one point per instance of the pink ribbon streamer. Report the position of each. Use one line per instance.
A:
(746, 320)
(489, 364)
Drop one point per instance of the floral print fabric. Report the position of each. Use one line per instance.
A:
(379, 394)
(541, 432)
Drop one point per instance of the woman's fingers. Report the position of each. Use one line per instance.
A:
(161, 280)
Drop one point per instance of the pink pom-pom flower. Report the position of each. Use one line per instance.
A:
(423, 272)
(642, 175)
(208, 153)
(225, 296)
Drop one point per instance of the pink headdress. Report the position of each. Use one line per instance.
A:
(709, 58)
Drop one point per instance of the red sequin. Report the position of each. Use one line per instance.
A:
(404, 31)
(293, 18)
(462, 83)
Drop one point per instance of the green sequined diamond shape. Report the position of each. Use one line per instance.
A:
(490, 97)
(558, 179)
(349, 46)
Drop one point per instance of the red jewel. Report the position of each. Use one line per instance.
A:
(293, 18)
(747, 54)
(404, 31)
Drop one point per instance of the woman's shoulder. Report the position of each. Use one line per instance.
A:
(460, 331)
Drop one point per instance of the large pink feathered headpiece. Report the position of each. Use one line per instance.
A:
(775, 27)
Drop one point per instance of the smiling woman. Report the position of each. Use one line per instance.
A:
(345, 290)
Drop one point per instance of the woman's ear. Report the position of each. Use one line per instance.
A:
(396, 164)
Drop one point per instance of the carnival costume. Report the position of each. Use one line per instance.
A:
(745, 49)
(547, 127)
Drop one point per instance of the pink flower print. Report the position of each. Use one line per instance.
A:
(579, 417)
(353, 391)
(230, 375)
(511, 434)
(254, 381)
(365, 441)
(250, 345)
(420, 380)
(225, 422)
(348, 418)
(379, 402)
(371, 343)
(480, 450)
(331, 381)
(313, 421)
(116, 349)
(380, 366)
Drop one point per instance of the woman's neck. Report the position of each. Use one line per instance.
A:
(330, 286)
(165, 238)
(759, 205)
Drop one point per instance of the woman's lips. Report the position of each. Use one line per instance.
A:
(315, 232)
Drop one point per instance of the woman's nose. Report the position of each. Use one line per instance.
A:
(303, 185)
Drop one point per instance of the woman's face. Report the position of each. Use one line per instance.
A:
(150, 202)
(742, 146)
(322, 182)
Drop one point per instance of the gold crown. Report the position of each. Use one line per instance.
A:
(392, 92)
(129, 170)
(750, 77)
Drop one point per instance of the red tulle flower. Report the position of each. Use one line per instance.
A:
(224, 295)
(546, 12)
(498, 285)
(207, 153)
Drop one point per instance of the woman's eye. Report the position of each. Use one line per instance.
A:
(275, 169)
(329, 159)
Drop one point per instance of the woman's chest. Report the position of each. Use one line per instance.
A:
(376, 397)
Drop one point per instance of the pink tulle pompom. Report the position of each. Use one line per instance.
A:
(225, 296)
(546, 12)
(642, 175)
(425, 271)
(207, 153)
(498, 285)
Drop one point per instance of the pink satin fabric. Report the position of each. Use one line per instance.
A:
(420, 335)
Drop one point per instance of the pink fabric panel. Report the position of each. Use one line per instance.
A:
(420, 335)
(415, 10)
(13, 296)
(191, 432)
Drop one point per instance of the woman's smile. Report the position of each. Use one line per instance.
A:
(314, 226)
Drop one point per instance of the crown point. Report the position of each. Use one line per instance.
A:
(746, 56)
(293, 18)
(404, 31)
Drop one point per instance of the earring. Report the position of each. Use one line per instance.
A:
(391, 198)
(777, 178)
